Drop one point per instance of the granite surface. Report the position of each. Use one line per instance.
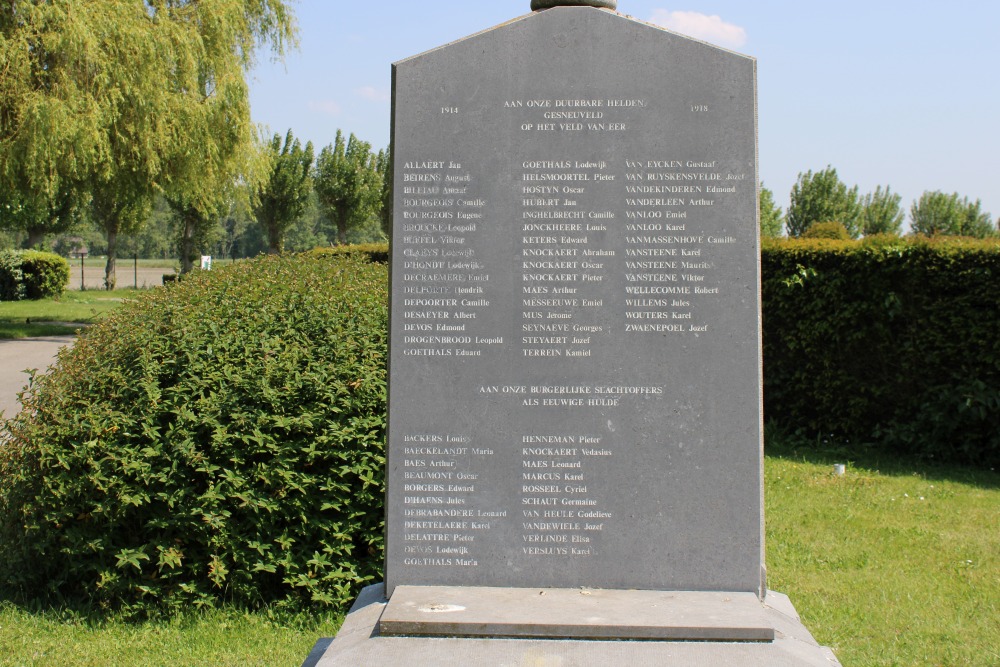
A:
(575, 356)
(359, 643)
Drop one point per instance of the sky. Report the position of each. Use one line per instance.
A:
(904, 94)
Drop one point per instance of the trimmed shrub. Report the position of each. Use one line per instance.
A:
(220, 439)
(372, 252)
(891, 342)
(11, 276)
(827, 230)
(45, 274)
(30, 274)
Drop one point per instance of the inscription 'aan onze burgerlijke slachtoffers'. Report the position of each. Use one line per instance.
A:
(645, 241)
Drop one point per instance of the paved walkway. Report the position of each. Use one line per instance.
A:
(18, 355)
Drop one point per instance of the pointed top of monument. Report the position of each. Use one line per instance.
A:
(537, 5)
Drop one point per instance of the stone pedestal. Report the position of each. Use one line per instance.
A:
(489, 626)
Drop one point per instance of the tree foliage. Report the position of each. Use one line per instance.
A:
(283, 192)
(772, 220)
(195, 228)
(38, 217)
(124, 99)
(882, 212)
(348, 182)
(937, 213)
(823, 197)
(384, 164)
(827, 230)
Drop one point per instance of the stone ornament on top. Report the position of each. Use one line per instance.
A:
(537, 5)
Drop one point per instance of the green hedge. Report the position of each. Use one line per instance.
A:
(220, 439)
(892, 343)
(30, 274)
(372, 252)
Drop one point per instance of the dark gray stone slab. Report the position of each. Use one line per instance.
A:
(565, 613)
(359, 643)
(575, 358)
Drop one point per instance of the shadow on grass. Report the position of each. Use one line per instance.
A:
(783, 444)
(19, 331)
(86, 615)
(63, 613)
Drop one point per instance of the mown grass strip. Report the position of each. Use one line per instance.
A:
(222, 638)
(62, 316)
(890, 564)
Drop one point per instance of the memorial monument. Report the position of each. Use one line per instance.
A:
(575, 431)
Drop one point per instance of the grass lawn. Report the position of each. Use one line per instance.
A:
(890, 564)
(218, 638)
(25, 319)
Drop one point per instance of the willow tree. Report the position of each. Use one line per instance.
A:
(199, 213)
(40, 216)
(127, 98)
(49, 127)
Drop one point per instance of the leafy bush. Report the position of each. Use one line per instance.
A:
(11, 276)
(890, 341)
(220, 439)
(373, 252)
(827, 230)
(45, 274)
(30, 274)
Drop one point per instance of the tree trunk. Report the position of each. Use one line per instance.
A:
(35, 237)
(109, 268)
(342, 213)
(275, 240)
(187, 245)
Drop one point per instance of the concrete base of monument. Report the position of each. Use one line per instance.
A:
(565, 613)
(451, 626)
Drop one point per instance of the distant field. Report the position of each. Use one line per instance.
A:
(140, 274)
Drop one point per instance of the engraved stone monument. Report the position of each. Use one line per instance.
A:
(574, 445)
(575, 369)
